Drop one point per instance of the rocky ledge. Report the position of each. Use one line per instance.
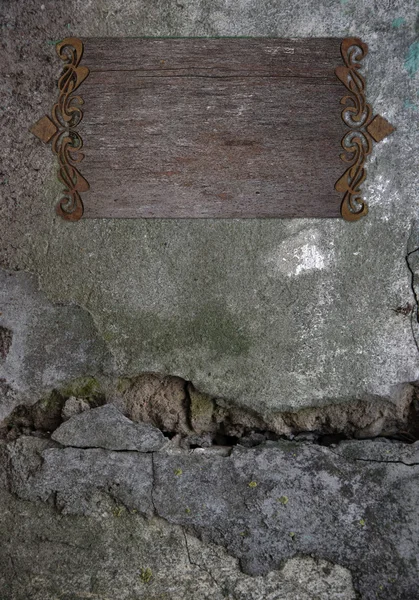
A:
(352, 505)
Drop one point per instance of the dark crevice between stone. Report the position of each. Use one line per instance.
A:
(6, 338)
(201, 567)
(153, 483)
(414, 321)
(381, 462)
(330, 439)
(190, 419)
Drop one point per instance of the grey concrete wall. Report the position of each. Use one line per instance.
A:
(272, 314)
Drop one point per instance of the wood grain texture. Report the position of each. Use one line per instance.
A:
(236, 128)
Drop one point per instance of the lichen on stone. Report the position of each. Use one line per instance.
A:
(146, 575)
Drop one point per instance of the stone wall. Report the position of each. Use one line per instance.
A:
(266, 356)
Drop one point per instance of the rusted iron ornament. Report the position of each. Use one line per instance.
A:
(60, 129)
(364, 127)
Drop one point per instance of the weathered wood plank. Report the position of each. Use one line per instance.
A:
(221, 56)
(212, 128)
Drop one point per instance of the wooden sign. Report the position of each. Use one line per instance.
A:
(224, 128)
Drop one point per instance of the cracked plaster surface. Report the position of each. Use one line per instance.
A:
(353, 505)
(274, 315)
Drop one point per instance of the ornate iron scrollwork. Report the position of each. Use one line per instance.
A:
(363, 129)
(60, 129)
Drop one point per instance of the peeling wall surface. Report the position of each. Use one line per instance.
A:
(274, 314)
(302, 325)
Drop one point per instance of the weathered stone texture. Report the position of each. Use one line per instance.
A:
(45, 556)
(287, 325)
(106, 427)
(357, 509)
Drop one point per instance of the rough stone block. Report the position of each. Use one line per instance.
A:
(106, 427)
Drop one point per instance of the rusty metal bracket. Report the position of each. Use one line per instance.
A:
(363, 129)
(60, 129)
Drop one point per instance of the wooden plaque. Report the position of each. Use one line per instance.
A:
(220, 128)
